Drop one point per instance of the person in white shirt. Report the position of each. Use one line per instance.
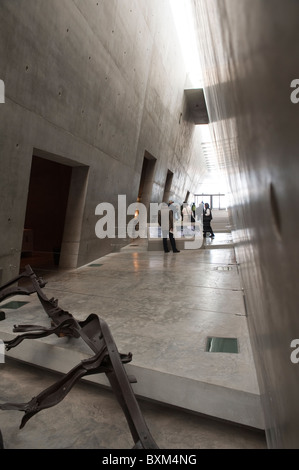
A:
(186, 218)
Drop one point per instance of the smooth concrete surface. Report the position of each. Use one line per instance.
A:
(90, 418)
(162, 308)
(98, 87)
(248, 52)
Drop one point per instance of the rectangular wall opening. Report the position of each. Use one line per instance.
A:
(54, 212)
(146, 182)
(147, 179)
(167, 188)
(45, 213)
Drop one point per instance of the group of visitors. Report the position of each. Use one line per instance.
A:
(188, 218)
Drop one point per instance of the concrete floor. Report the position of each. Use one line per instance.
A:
(162, 308)
(90, 418)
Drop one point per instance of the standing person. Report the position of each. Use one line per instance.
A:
(193, 208)
(207, 217)
(187, 217)
(182, 217)
(166, 223)
(193, 216)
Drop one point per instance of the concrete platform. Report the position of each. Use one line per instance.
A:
(221, 240)
(90, 418)
(187, 237)
(162, 308)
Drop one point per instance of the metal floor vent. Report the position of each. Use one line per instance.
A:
(226, 345)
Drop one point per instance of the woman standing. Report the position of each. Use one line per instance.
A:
(207, 217)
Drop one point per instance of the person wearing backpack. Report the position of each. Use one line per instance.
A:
(207, 217)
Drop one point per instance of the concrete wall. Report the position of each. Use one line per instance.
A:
(249, 51)
(93, 85)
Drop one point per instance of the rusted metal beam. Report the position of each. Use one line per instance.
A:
(107, 359)
(9, 289)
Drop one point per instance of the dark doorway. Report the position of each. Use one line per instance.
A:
(146, 183)
(167, 189)
(146, 179)
(45, 215)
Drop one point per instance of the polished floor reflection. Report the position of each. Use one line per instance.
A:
(162, 308)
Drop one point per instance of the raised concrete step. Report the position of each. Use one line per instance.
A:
(162, 308)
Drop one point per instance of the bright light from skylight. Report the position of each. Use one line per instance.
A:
(186, 28)
(184, 21)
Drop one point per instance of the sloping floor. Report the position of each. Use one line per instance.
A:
(163, 308)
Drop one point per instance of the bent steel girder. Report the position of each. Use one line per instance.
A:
(9, 290)
(95, 332)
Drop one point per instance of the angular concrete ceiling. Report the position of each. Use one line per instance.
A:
(196, 104)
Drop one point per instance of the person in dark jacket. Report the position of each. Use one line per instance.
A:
(207, 217)
(167, 225)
